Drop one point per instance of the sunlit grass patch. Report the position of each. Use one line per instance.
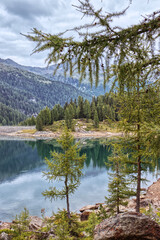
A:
(30, 131)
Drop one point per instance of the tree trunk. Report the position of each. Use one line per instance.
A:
(139, 156)
(117, 170)
(138, 185)
(67, 198)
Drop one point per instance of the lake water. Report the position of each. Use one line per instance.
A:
(22, 181)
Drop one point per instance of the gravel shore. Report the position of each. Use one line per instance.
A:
(19, 132)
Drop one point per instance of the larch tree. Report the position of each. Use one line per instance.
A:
(129, 55)
(119, 185)
(66, 167)
(96, 119)
(87, 110)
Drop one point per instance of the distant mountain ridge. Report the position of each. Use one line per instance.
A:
(48, 73)
(28, 93)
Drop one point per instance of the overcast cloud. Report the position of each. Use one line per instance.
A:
(53, 16)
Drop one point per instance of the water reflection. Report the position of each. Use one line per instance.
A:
(21, 181)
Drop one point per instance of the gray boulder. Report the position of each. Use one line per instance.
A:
(4, 236)
(127, 226)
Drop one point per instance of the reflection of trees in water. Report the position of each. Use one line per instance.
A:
(18, 156)
(96, 152)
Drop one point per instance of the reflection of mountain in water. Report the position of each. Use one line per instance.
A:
(19, 156)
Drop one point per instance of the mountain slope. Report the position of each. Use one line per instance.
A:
(9, 116)
(28, 92)
(48, 73)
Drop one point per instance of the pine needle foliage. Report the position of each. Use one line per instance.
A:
(130, 55)
(101, 43)
(66, 167)
(66, 229)
(139, 111)
(119, 186)
(20, 226)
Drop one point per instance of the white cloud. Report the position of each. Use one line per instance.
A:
(53, 16)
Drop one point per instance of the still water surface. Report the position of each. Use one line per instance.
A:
(22, 181)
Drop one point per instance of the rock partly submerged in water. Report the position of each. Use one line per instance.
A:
(127, 226)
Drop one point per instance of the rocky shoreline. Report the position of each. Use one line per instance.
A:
(150, 198)
(20, 132)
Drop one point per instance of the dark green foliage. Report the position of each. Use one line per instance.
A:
(107, 106)
(47, 72)
(69, 117)
(45, 116)
(9, 116)
(29, 122)
(39, 124)
(81, 108)
(60, 112)
(96, 119)
(118, 188)
(29, 93)
(54, 114)
(87, 110)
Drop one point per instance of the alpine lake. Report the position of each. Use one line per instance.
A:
(22, 181)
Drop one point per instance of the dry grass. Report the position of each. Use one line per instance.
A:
(30, 131)
(83, 125)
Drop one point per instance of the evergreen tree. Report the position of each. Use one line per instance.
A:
(96, 119)
(93, 108)
(39, 125)
(47, 116)
(60, 112)
(54, 114)
(100, 107)
(87, 110)
(69, 117)
(80, 105)
(119, 189)
(128, 54)
(136, 114)
(33, 121)
(67, 167)
(78, 112)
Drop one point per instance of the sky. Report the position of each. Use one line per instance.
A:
(54, 16)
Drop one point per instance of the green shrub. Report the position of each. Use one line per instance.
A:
(91, 223)
(67, 229)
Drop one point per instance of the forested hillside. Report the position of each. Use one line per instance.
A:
(47, 72)
(9, 116)
(28, 93)
(104, 107)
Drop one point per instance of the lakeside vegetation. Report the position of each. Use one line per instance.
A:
(130, 56)
(102, 108)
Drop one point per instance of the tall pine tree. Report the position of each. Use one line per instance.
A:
(129, 54)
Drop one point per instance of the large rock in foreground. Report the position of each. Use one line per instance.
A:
(153, 193)
(127, 226)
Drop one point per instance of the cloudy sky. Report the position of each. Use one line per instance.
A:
(53, 16)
